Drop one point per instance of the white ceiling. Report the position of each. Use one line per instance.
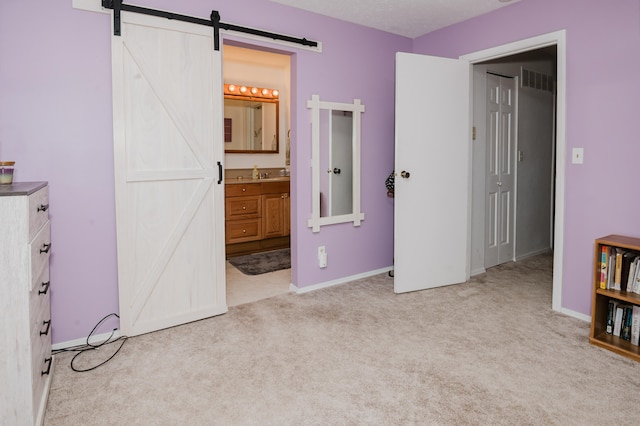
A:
(409, 18)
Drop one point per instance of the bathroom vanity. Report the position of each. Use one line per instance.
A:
(257, 215)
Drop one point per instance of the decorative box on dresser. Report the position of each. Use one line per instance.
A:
(25, 334)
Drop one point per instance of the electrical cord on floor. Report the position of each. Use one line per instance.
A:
(81, 349)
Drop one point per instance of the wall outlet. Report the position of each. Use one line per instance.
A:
(322, 257)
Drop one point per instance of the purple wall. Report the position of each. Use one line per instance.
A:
(56, 123)
(603, 88)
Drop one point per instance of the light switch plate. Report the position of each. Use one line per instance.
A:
(577, 156)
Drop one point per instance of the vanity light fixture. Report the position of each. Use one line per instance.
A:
(250, 92)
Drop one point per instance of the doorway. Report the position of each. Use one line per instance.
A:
(252, 66)
(513, 156)
(557, 39)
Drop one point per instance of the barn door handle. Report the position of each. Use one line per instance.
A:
(219, 173)
(405, 174)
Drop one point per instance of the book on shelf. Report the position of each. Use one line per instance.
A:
(625, 329)
(635, 325)
(604, 260)
(627, 261)
(617, 277)
(611, 313)
(611, 268)
(617, 321)
(632, 273)
(636, 279)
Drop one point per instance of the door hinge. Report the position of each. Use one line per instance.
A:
(473, 133)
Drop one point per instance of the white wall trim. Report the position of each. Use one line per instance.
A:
(98, 338)
(574, 314)
(559, 39)
(339, 281)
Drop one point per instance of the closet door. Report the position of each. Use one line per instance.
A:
(432, 186)
(167, 113)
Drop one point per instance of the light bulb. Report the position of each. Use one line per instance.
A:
(265, 92)
(254, 90)
(275, 93)
(232, 87)
(243, 89)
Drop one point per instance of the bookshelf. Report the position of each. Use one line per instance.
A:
(602, 296)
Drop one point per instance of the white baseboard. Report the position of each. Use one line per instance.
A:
(339, 281)
(83, 341)
(575, 314)
(533, 253)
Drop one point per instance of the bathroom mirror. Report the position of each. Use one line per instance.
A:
(251, 120)
(335, 162)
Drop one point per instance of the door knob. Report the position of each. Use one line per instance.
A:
(499, 183)
(405, 174)
(336, 171)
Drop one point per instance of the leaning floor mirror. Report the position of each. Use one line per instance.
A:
(335, 162)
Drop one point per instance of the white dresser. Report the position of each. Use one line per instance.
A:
(25, 333)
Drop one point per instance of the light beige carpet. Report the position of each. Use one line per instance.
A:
(487, 352)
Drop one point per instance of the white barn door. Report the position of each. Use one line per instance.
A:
(167, 106)
(432, 186)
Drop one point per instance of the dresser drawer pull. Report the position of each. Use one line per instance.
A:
(43, 207)
(45, 248)
(48, 361)
(46, 288)
(48, 324)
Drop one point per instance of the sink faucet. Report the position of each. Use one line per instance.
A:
(264, 175)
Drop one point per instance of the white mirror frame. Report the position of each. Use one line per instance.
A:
(356, 108)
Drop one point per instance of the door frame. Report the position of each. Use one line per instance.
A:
(557, 38)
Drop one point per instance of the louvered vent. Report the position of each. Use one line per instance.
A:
(536, 80)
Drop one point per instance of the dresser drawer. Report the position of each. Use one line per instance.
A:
(241, 189)
(40, 360)
(39, 250)
(39, 298)
(38, 210)
(243, 207)
(239, 231)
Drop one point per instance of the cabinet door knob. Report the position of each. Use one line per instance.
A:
(244, 207)
(244, 189)
(244, 231)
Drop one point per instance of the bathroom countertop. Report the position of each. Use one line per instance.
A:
(234, 181)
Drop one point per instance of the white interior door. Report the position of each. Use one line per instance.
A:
(500, 170)
(431, 226)
(167, 101)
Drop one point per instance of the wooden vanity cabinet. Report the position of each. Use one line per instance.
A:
(257, 216)
(243, 213)
(275, 203)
